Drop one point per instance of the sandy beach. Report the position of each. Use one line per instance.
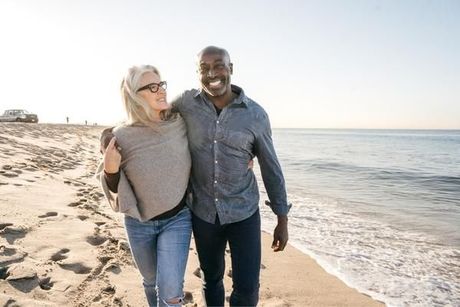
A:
(61, 245)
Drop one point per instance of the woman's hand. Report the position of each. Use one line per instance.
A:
(112, 157)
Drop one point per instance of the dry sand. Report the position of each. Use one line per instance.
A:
(61, 245)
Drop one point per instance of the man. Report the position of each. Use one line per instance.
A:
(226, 130)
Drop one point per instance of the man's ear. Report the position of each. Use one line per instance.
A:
(231, 68)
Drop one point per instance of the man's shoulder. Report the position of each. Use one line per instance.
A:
(191, 93)
(256, 109)
(250, 103)
(185, 97)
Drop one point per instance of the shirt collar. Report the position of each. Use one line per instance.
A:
(240, 99)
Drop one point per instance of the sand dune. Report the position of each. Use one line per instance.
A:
(61, 245)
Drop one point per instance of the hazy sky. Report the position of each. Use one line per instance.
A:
(319, 64)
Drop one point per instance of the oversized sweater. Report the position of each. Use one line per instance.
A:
(154, 170)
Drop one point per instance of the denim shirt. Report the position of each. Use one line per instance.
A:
(221, 147)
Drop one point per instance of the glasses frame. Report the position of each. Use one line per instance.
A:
(154, 87)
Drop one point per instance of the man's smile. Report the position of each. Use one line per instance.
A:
(216, 83)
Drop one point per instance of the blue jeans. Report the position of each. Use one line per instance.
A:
(244, 240)
(160, 249)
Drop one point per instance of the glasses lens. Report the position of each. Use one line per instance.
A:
(154, 88)
(164, 85)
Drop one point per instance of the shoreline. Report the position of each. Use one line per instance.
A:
(61, 245)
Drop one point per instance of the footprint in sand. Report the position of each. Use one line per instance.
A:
(112, 267)
(46, 283)
(12, 233)
(22, 277)
(60, 255)
(104, 259)
(8, 174)
(20, 271)
(96, 240)
(77, 268)
(188, 297)
(3, 225)
(4, 272)
(82, 217)
(197, 272)
(109, 289)
(48, 214)
(10, 255)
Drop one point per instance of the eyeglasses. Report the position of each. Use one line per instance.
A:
(154, 87)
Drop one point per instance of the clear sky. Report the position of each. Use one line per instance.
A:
(312, 64)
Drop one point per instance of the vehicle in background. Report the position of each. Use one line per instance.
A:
(18, 115)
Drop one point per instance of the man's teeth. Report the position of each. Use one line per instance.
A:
(214, 83)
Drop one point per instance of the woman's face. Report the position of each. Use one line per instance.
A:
(157, 100)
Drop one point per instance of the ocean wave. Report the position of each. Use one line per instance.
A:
(397, 266)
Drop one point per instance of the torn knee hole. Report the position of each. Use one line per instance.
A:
(176, 300)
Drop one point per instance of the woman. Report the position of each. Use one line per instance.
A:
(145, 173)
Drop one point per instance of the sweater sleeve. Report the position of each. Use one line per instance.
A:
(112, 181)
(124, 200)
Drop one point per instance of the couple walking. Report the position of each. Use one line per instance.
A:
(187, 166)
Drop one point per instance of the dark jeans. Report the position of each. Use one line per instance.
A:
(244, 241)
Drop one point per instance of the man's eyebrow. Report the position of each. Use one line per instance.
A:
(215, 61)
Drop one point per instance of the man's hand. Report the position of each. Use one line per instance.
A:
(112, 157)
(280, 235)
(106, 136)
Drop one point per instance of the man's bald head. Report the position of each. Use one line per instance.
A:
(214, 50)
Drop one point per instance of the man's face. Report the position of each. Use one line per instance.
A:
(214, 71)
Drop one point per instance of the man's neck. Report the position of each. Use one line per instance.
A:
(222, 101)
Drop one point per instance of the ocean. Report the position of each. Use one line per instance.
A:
(380, 209)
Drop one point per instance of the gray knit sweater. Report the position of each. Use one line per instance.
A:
(154, 172)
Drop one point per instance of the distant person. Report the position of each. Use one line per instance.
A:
(226, 130)
(144, 175)
(67, 119)
(86, 122)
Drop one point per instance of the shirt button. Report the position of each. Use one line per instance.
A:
(215, 181)
(216, 200)
(217, 122)
(215, 141)
(216, 161)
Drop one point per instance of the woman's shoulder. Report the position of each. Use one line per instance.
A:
(173, 122)
(131, 131)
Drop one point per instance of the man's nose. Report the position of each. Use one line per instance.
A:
(211, 73)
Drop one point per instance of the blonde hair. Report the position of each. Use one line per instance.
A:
(137, 109)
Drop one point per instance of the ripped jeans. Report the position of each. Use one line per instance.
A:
(160, 249)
